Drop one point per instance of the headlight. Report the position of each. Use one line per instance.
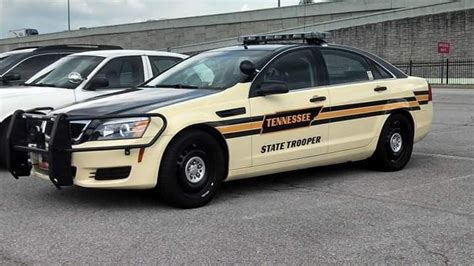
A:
(125, 128)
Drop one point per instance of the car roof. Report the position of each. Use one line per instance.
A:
(22, 51)
(116, 53)
(257, 47)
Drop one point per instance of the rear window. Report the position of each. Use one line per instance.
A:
(160, 63)
(345, 67)
(10, 61)
(34, 64)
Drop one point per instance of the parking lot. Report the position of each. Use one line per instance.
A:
(336, 214)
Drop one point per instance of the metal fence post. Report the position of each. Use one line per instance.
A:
(442, 71)
(447, 70)
(411, 67)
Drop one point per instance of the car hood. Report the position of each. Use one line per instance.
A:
(133, 101)
(22, 91)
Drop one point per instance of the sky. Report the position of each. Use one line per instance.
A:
(51, 15)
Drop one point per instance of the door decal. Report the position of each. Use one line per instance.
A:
(312, 117)
(289, 120)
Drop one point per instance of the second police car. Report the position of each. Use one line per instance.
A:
(269, 105)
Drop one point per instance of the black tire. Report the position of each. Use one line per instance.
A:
(3, 143)
(195, 150)
(391, 154)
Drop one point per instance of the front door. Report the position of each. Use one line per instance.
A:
(121, 73)
(286, 130)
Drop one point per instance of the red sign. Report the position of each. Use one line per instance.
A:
(444, 47)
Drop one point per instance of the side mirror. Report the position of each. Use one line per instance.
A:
(98, 83)
(270, 87)
(11, 77)
(248, 68)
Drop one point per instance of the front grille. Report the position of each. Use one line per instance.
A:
(111, 173)
(76, 127)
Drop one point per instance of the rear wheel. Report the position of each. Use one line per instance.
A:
(191, 170)
(395, 144)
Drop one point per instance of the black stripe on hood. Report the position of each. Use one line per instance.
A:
(135, 101)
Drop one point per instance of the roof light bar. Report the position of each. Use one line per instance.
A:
(308, 37)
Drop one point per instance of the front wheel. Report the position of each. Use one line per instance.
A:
(395, 144)
(191, 170)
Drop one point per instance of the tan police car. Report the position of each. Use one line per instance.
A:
(273, 104)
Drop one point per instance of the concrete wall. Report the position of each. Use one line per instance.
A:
(389, 28)
(413, 38)
(162, 34)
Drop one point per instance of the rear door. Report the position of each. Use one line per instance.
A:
(283, 127)
(358, 93)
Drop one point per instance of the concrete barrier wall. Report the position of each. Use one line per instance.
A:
(386, 28)
(162, 34)
(413, 38)
(163, 38)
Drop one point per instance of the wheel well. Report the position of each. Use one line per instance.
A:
(4, 124)
(6, 120)
(214, 133)
(406, 114)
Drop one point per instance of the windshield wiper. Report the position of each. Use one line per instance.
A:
(40, 85)
(176, 86)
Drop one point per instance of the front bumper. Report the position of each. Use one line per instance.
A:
(27, 144)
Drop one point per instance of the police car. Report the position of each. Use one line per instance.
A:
(273, 104)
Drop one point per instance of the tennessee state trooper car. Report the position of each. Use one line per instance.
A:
(273, 104)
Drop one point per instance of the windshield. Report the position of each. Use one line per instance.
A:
(209, 70)
(10, 61)
(72, 66)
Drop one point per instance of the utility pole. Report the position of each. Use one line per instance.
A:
(68, 15)
(279, 4)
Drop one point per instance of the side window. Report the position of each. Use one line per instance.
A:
(346, 67)
(160, 63)
(34, 64)
(296, 68)
(123, 72)
(379, 72)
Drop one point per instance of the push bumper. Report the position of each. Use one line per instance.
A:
(27, 141)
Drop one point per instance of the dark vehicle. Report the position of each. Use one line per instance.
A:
(19, 65)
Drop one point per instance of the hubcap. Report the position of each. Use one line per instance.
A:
(396, 142)
(195, 169)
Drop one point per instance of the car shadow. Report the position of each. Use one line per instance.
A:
(103, 198)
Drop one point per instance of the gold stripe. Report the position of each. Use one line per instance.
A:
(369, 109)
(422, 98)
(321, 116)
(240, 127)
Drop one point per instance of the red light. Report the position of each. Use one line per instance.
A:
(430, 93)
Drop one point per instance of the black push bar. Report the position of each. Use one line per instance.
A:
(25, 135)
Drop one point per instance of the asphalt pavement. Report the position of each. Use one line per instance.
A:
(338, 214)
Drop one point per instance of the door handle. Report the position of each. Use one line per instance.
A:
(316, 99)
(379, 89)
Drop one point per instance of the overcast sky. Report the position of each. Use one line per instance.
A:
(51, 15)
